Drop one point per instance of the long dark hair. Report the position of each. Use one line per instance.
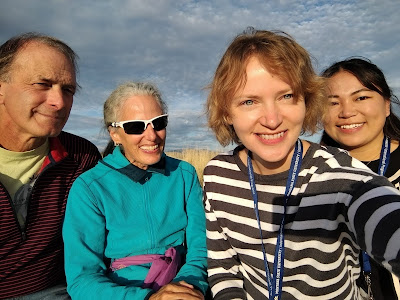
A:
(372, 78)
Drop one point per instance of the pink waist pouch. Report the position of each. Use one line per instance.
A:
(162, 270)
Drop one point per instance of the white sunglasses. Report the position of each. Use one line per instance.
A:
(139, 126)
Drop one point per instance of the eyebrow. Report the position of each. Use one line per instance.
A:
(353, 93)
(251, 96)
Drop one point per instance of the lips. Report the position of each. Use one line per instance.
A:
(52, 116)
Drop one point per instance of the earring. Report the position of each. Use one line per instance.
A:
(117, 144)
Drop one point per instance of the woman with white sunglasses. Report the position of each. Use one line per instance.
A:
(135, 225)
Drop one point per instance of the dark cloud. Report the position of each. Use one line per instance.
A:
(177, 45)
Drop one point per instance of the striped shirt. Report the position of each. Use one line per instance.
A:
(393, 170)
(332, 212)
(32, 258)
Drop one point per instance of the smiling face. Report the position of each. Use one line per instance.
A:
(356, 115)
(267, 118)
(36, 101)
(144, 149)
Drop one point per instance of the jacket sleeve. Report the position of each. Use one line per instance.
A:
(374, 216)
(194, 271)
(84, 233)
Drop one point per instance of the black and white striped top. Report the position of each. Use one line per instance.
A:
(393, 170)
(337, 204)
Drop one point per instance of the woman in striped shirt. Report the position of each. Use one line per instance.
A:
(286, 218)
(360, 119)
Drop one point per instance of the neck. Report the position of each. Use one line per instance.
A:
(263, 167)
(367, 152)
(270, 168)
(139, 165)
(17, 144)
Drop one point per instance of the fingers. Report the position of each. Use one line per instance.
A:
(174, 291)
(184, 283)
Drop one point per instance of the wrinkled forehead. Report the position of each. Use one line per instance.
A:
(42, 61)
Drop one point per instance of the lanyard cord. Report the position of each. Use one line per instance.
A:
(275, 290)
(383, 165)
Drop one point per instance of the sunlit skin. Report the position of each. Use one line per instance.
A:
(356, 116)
(144, 149)
(177, 290)
(267, 118)
(36, 101)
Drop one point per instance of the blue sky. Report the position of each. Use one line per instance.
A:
(177, 45)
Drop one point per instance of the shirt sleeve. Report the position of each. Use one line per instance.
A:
(84, 233)
(374, 216)
(224, 275)
(194, 269)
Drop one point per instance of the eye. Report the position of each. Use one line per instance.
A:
(69, 90)
(362, 98)
(247, 102)
(43, 84)
(288, 96)
(333, 103)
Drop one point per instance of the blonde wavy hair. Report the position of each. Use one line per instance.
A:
(282, 56)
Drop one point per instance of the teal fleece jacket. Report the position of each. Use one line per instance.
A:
(117, 210)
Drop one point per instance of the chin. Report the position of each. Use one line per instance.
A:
(153, 160)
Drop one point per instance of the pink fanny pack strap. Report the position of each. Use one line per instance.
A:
(162, 270)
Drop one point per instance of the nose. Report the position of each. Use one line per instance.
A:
(347, 109)
(150, 133)
(58, 99)
(271, 116)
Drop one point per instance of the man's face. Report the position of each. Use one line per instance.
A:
(37, 99)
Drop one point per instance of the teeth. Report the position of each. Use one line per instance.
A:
(272, 136)
(351, 126)
(149, 147)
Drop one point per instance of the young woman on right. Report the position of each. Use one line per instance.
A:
(286, 218)
(359, 119)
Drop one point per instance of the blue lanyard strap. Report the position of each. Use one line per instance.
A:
(275, 281)
(385, 156)
(383, 165)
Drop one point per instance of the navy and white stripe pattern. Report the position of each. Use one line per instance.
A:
(337, 206)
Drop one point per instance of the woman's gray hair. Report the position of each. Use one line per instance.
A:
(116, 100)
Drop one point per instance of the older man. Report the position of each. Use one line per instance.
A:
(38, 163)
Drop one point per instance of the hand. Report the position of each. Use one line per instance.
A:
(177, 290)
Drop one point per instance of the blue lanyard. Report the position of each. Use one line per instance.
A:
(275, 289)
(385, 156)
(383, 165)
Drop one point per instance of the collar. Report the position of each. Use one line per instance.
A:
(57, 152)
(118, 162)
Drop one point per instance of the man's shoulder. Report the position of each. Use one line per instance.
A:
(76, 145)
(69, 140)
